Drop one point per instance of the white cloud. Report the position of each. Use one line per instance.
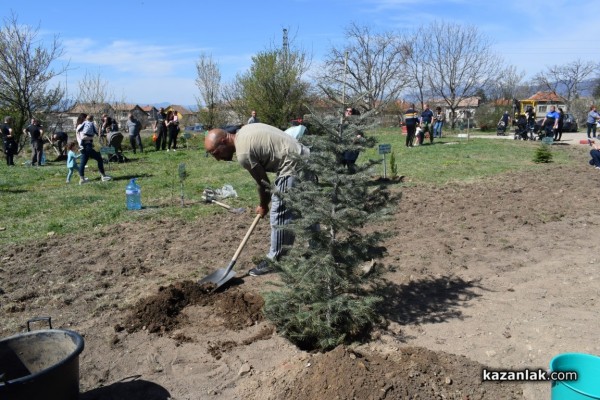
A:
(130, 57)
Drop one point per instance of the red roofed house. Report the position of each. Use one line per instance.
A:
(541, 102)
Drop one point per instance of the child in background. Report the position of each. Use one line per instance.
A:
(72, 159)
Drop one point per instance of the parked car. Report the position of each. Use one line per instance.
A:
(570, 123)
(231, 128)
(195, 128)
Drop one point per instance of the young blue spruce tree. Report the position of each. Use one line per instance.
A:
(326, 295)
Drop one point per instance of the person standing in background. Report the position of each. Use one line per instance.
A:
(172, 130)
(411, 121)
(8, 140)
(105, 129)
(253, 119)
(35, 132)
(550, 122)
(160, 127)
(425, 123)
(134, 127)
(438, 122)
(559, 128)
(592, 118)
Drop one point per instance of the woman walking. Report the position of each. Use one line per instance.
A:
(85, 132)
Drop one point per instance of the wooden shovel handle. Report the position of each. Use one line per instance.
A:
(222, 204)
(241, 246)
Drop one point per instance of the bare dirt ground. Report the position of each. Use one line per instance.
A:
(502, 273)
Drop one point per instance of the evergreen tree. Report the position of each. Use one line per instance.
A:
(326, 298)
(542, 154)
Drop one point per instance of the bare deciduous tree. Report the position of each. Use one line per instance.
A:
(565, 79)
(375, 70)
(208, 82)
(507, 85)
(233, 96)
(27, 69)
(460, 63)
(94, 93)
(417, 46)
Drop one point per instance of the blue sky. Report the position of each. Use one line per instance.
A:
(147, 50)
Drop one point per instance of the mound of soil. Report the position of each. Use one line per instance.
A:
(162, 312)
(411, 373)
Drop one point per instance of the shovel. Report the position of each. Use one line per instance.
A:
(209, 197)
(227, 207)
(222, 276)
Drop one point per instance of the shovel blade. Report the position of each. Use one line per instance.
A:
(218, 278)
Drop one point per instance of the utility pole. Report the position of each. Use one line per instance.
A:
(285, 41)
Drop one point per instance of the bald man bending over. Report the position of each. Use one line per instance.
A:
(262, 148)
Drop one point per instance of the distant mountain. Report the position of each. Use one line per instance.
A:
(584, 89)
(164, 104)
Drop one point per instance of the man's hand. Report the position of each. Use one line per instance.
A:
(262, 211)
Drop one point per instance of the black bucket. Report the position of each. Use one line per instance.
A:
(42, 364)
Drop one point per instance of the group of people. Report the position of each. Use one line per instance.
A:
(81, 148)
(166, 130)
(418, 125)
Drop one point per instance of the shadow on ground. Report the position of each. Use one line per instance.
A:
(131, 390)
(429, 300)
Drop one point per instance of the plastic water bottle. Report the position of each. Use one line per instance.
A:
(133, 193)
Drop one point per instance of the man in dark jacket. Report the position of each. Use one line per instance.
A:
(426, 118)
(35, 132)
(411, 120)
(8, 140)
(160, 128)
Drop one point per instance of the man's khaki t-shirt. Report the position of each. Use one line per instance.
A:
(265, 145)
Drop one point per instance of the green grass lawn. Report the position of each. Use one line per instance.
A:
(36, 200)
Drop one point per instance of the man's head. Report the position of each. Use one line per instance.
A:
(427, 106)
(219, 144)
(253, 113)
(552, 108)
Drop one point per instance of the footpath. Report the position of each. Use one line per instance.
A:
(571, 138)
